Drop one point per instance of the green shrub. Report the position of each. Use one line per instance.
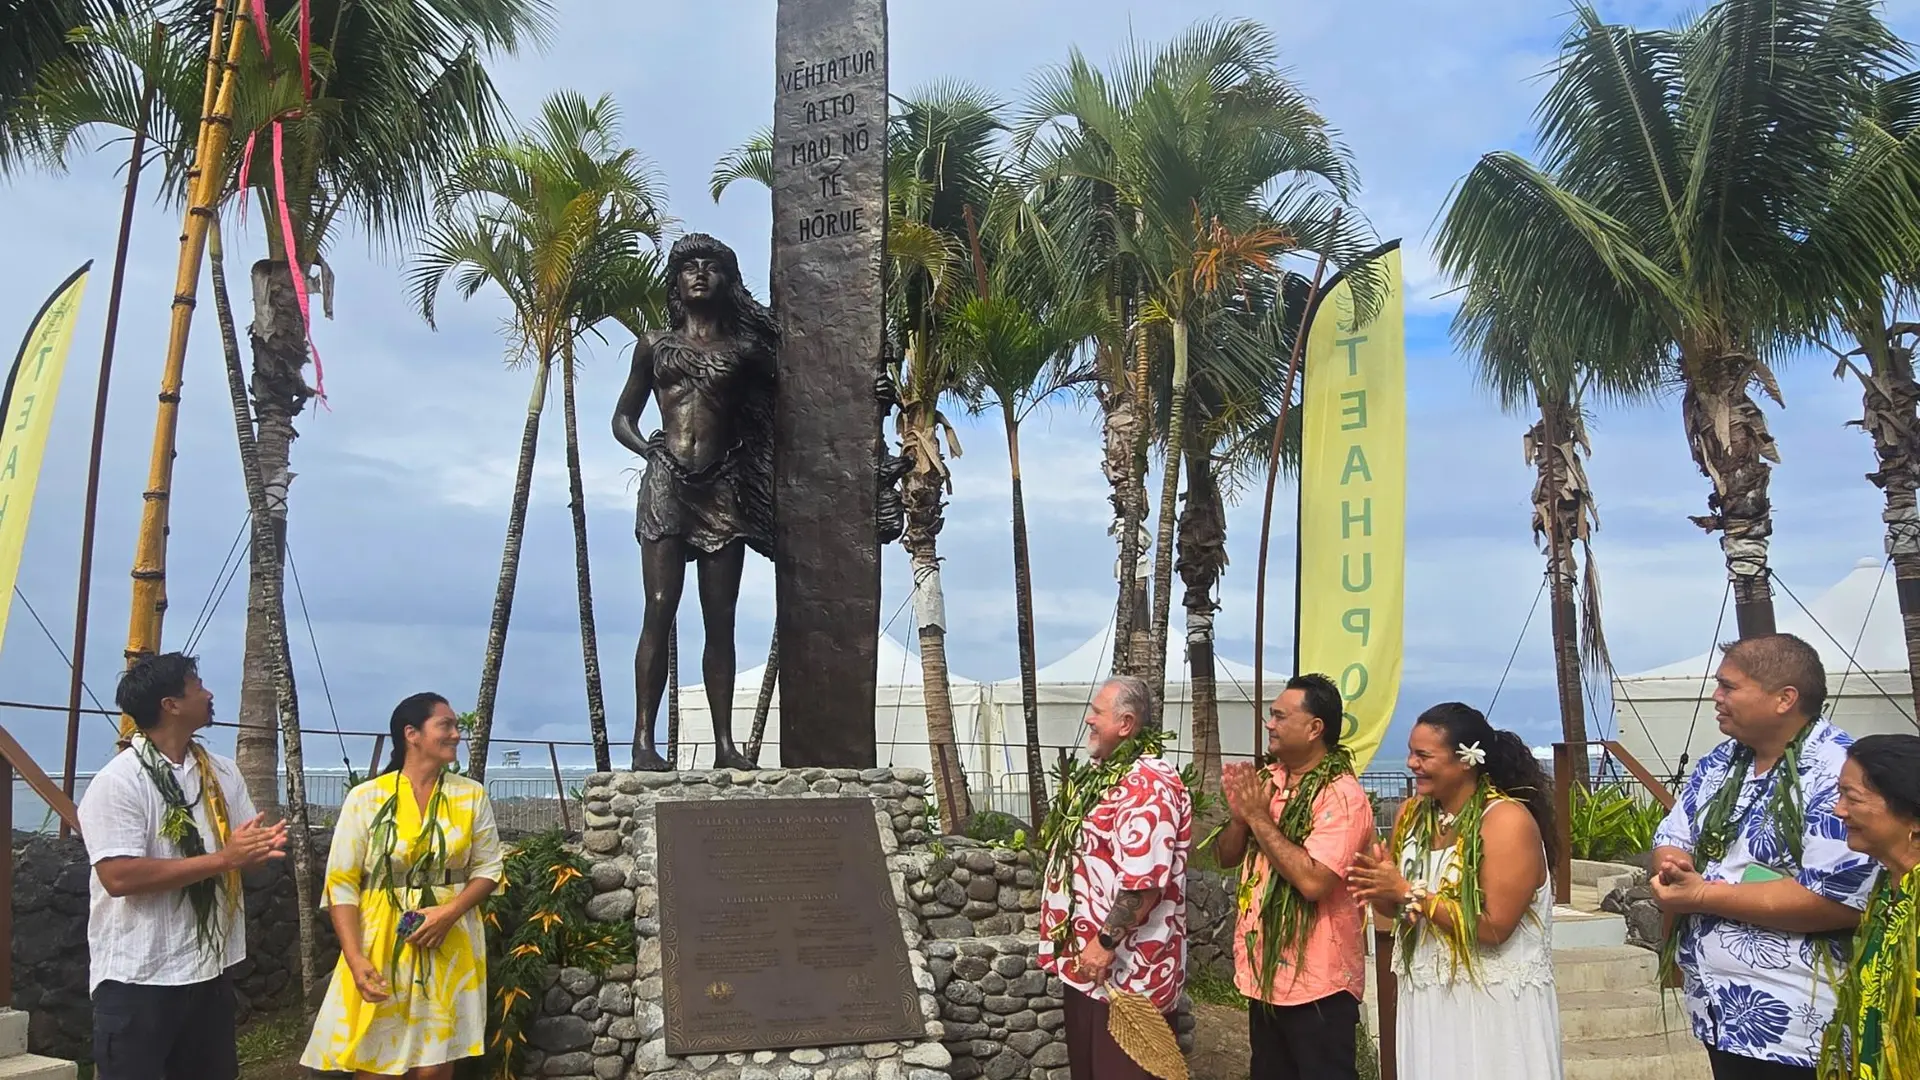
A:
(994, 827)
(538, 920)
(1610, 822)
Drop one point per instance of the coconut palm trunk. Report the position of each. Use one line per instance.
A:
(1730, 443)
(922, 493)
(1133, 633)
(1156, 673)
(583, 571)
(1121, 425)
(509, 574)
(1558, 518)
(1201, 558)
(1023, 622)
(1890, 415)
(763, 706)
(276, 658)
(279, 340)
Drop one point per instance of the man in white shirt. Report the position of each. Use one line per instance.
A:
(168, 828)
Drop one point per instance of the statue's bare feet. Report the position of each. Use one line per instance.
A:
(726, 757)
(647, 759)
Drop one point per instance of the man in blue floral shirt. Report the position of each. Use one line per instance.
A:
(1753, 867)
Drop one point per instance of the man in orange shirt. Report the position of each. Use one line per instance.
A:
(1298, 948)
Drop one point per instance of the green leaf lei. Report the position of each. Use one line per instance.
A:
(1081, 787)
(429, 848)
(1875, 1033)
(1785, 806)
(1459, 890)
(1286, 917)
(1719, 826)
(178, 828)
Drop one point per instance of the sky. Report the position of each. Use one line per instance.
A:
(400, 502)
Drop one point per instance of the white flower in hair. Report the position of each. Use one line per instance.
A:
(1470, 754)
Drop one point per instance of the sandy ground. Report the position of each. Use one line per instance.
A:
(1219, 1043)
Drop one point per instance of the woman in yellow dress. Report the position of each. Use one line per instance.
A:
(413, 856)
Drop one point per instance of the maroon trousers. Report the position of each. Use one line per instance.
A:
(1091, 1052)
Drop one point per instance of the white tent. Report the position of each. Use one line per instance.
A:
(899, 714)
(1668, 710)
(1065, 687)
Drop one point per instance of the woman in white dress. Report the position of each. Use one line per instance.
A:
(1465, 884)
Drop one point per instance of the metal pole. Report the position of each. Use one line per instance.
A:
(1387, 990)
(379, 744)
(566, 822)
(1266, 513)
(91, 514)
(1563, 825)
(6, 884)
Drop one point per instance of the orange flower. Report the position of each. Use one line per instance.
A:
(563, 873)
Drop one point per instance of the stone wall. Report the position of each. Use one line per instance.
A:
(1003, 1014)
(969, 912)
(1210, 921)
(963, 889)
(50, 941)
(615, 1027)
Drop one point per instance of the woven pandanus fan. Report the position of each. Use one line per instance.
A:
(1142, 1032)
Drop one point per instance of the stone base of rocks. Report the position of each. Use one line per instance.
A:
(615, 1027)
(1633, 899)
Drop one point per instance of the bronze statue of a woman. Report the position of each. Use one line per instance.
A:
(707, 494)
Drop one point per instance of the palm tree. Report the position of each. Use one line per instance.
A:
(1196, 141)
(1681, 173)
(1531, 373)
(1873, 196)
(1240, 374)
(34, 36)
(567, 226)
(940, 170)
(136, 77)
(400, 95)
(1019, 351)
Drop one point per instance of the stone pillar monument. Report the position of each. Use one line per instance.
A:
(829, 245)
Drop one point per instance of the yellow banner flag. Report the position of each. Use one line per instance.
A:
(26, 415)
(1353, 502)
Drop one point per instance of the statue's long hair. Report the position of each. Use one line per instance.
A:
(740, 314)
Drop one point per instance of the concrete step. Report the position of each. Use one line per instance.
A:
(1576, 929)
(35, 1067)
(1614, 967)
(1619, 1014)
(13, 1033)
(1650, 1057)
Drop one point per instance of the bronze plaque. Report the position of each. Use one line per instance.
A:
(778, 927)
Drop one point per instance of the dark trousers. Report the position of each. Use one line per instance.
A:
(164, 1032)
(1734, 1067)
(1091, 1052)
(1311, 1041)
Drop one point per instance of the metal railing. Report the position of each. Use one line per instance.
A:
(1563, 804)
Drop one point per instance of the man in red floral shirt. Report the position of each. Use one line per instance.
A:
(1125, 897)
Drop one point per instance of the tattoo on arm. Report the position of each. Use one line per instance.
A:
(1129, 907)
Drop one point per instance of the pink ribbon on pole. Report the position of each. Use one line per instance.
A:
(294, 267)
(260, 26)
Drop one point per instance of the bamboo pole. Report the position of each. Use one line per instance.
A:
(1266, 512)
(90, 516)
(206, 180)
